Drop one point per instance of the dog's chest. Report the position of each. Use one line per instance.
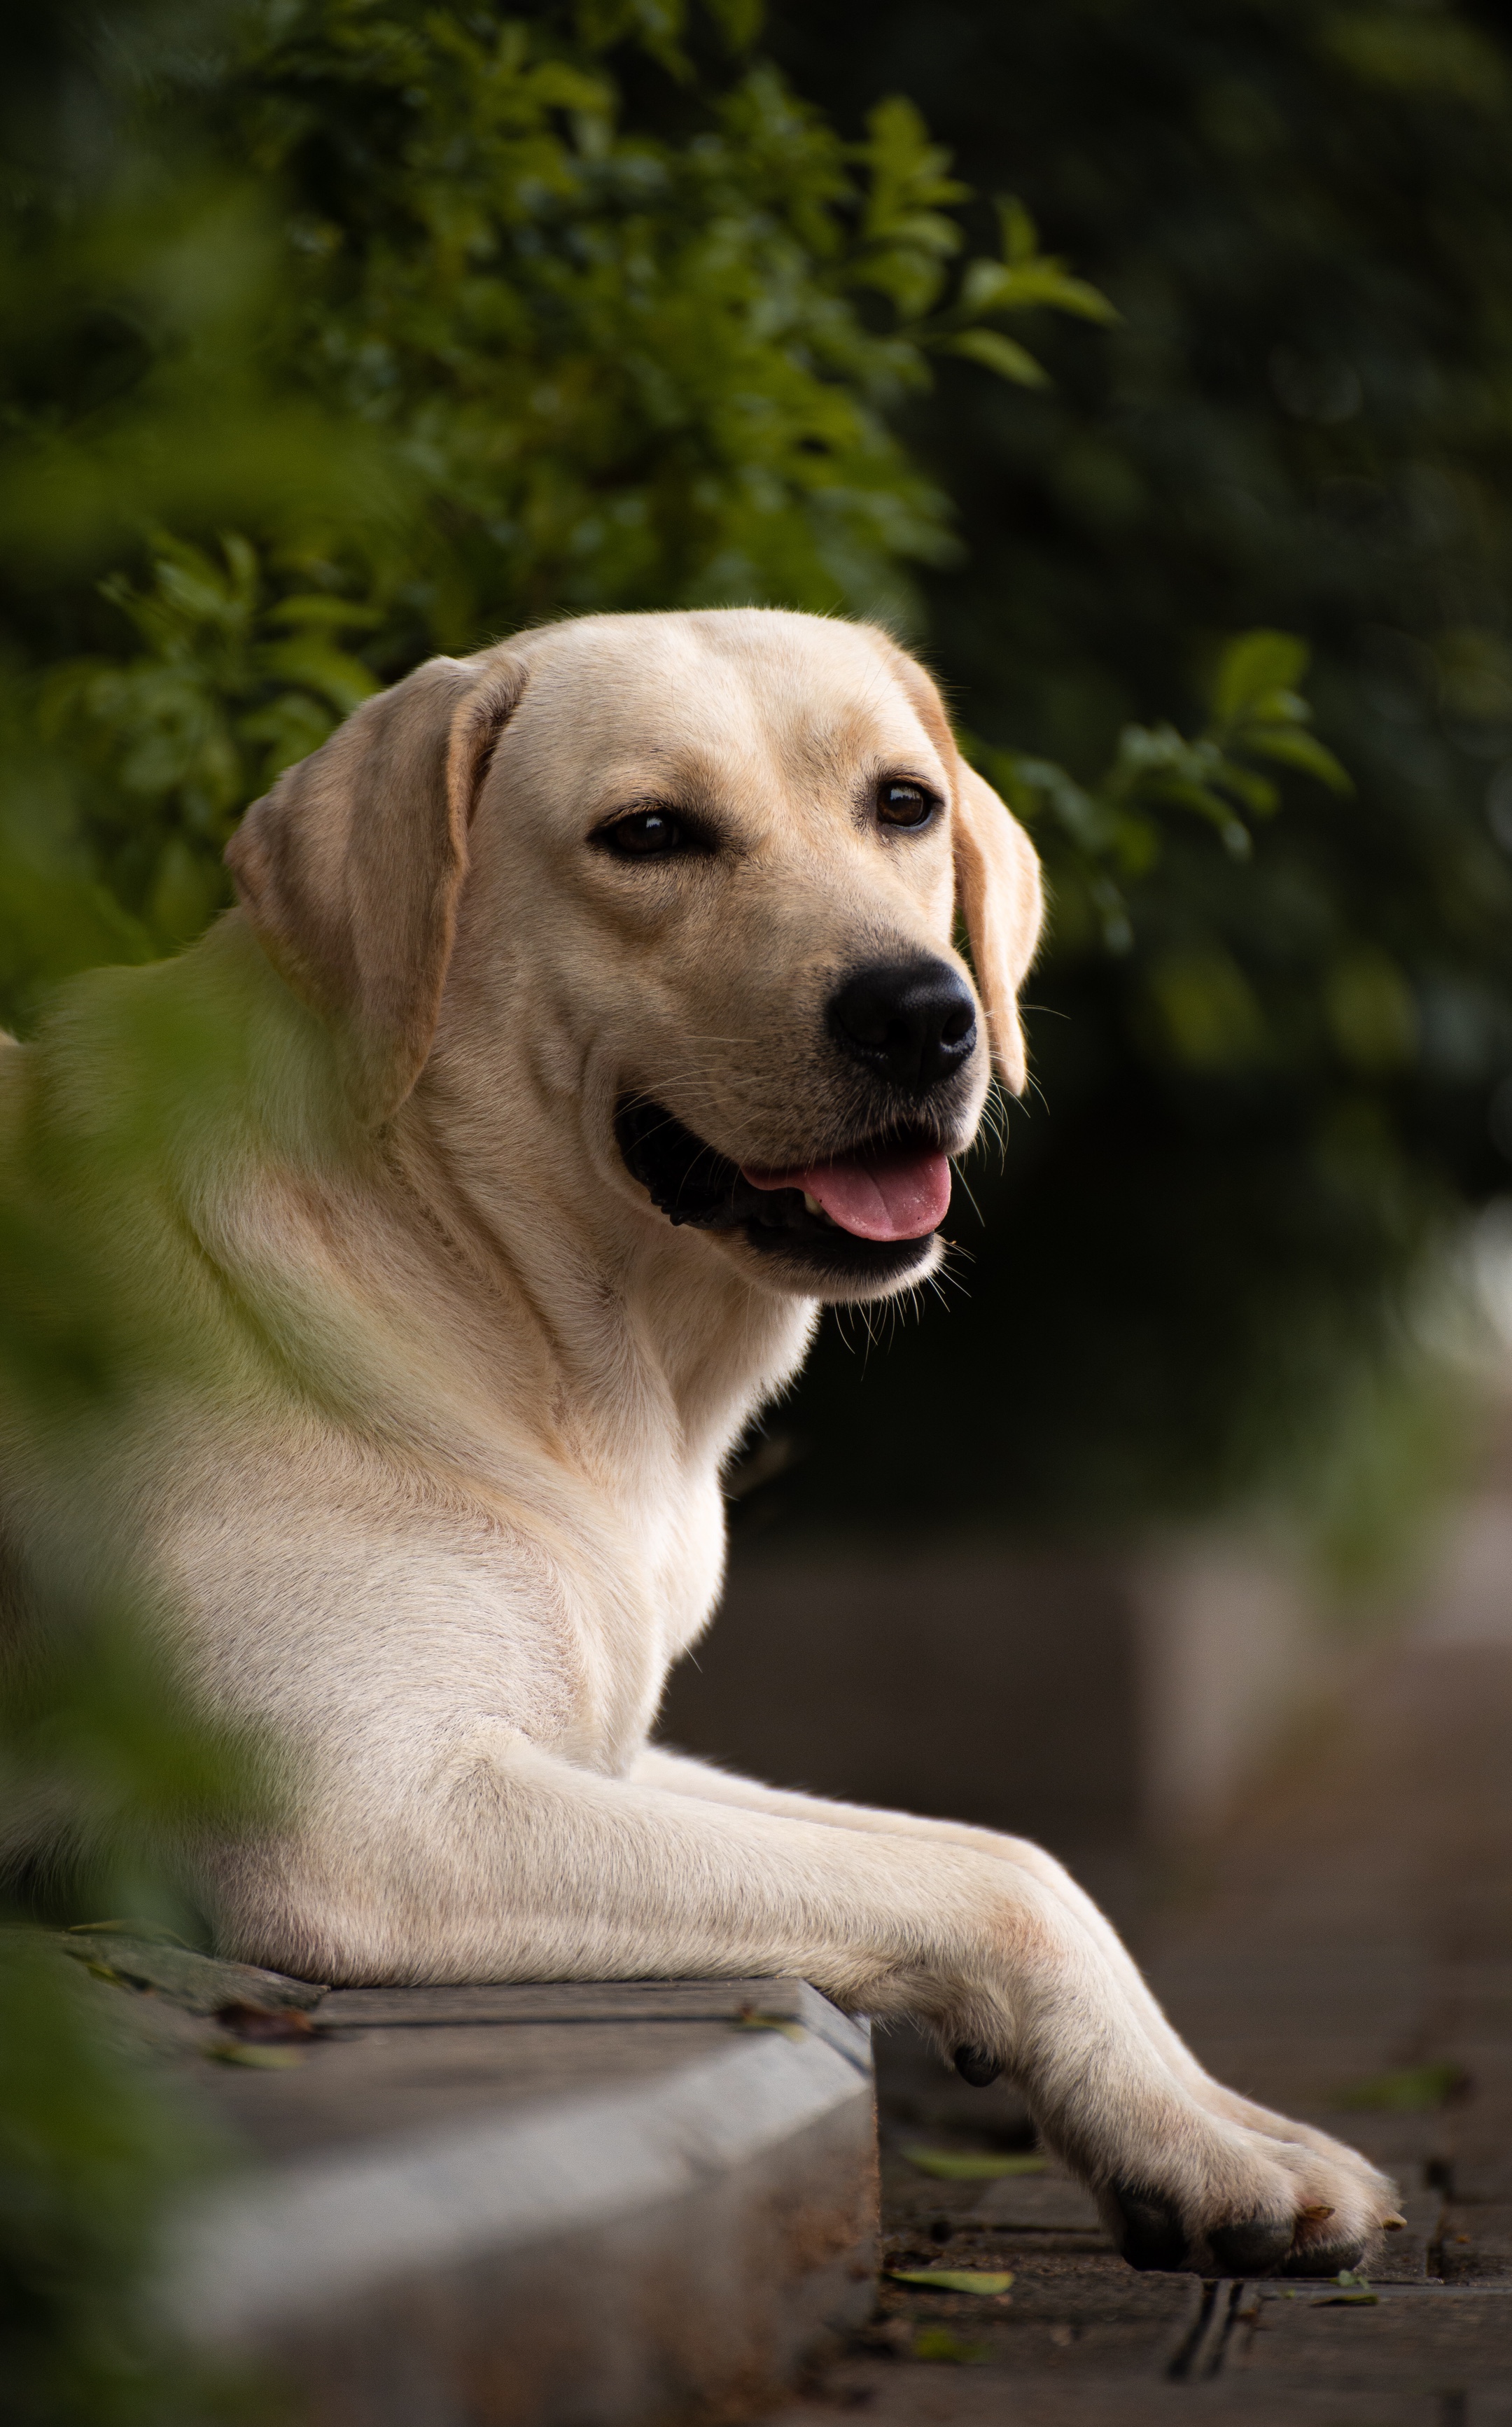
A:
(668, 1578)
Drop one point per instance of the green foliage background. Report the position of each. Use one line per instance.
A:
(340, 332)
(1266, 1087)
(345, 333)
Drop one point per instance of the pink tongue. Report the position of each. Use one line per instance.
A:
(894, 1197)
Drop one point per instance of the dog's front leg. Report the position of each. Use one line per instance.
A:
(525, 1866)
(1324, 2241)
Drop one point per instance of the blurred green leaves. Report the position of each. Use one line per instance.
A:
(91, 2151)
(108, 1767)
(362, 332)
(1092, 837)
(1419, 52)
(229, 688)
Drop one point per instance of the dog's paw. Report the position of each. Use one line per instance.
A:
(1271, 2208)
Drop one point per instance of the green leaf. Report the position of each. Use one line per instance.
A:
(1187, 793)
(1061, 292)
(738, 21)
(1412, 54)
(1020, 237)
(255, 2054)
(1280, 707)
(1208, 1010)
(909, 189)
(1303, 751)
(1000, 354)
(1252, 665)
(951, 2279)
(937, 2343)
(1029, 285)
(1411, 2090)
(970, 2165)
(783, 2023)
(984, 286)
(1258, 793)
(1372, 1011)
(332, 673)
(318, 607)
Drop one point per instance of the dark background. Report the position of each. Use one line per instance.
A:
(1188, 1277)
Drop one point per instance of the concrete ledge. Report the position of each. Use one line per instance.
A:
(535, 2205)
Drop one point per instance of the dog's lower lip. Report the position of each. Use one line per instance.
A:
(697, 1187)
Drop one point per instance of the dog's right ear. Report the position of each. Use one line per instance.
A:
(997, 887)
(1002, 902)
(350, 869)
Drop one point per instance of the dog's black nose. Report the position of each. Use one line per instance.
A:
(912, 1021)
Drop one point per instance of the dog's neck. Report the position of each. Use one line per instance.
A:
(659, 1348)
(494, 1298)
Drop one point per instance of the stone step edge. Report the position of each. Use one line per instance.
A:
(280, 2246)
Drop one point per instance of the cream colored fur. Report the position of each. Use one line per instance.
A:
(434, 1486)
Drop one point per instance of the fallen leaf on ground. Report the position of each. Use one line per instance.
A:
(748, 2020)
(1408, 2090)
(937, 2343)
(263, 2059)
(970, 2165)
(950, 2279)
(1353, 2291)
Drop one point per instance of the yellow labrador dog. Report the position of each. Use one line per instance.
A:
(595, 1015)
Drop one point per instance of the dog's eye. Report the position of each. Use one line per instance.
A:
(905, 804)
(647, 834)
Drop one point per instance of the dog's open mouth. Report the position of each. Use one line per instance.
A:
(872, 1209)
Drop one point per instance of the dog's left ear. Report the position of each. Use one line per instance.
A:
(350, 869)
(1003, 901)
(997, 887)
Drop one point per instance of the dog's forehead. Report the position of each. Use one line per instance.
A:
(732, 688)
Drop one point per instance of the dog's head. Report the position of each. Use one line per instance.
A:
(691, 881)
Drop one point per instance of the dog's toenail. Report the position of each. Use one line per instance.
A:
(976, 2067)
(1317, 2211)
(1392, 2223)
